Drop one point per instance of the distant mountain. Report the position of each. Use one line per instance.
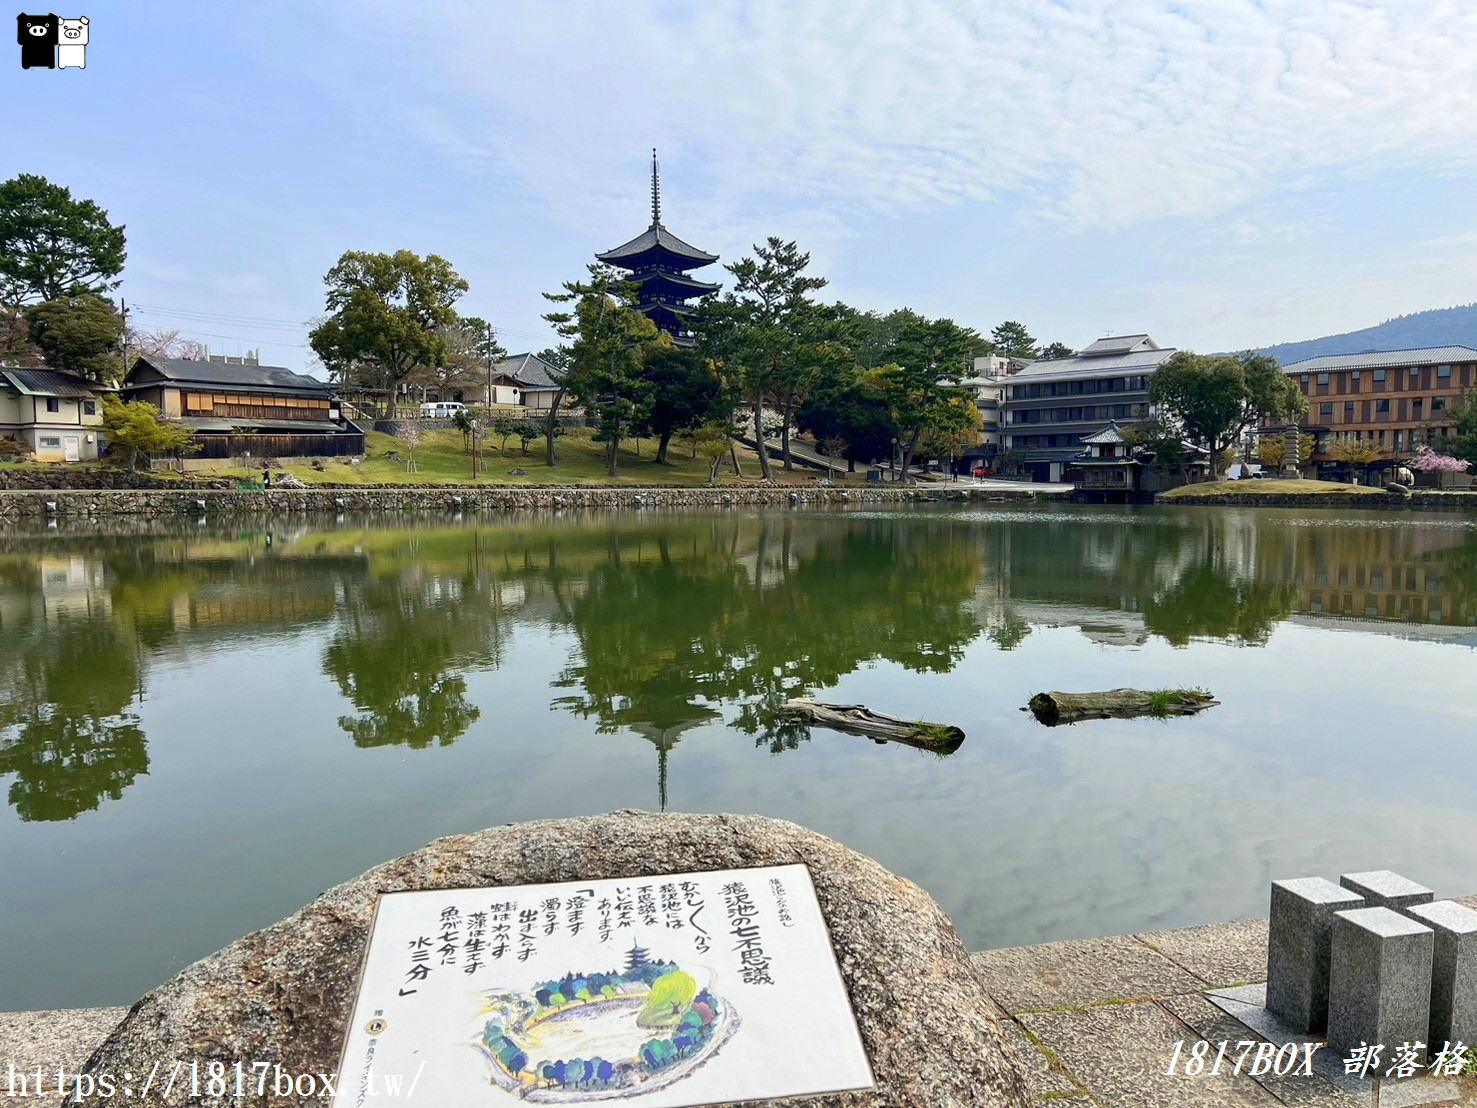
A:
(1437, 327)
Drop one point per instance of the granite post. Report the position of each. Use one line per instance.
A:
(1453, 971)
(1298, 949)
(1382, 888)
(1379, 982)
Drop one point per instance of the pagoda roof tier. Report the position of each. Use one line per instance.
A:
(657, 246)
(670, 283)
(666, 315)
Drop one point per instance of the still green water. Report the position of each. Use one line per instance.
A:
(203, 727)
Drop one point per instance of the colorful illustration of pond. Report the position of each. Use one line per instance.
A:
(659, 991)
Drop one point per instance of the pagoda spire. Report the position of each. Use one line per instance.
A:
(658, 261)
(656, 192)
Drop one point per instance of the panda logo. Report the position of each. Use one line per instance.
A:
(37, 35)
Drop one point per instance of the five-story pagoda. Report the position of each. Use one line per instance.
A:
(658, 261)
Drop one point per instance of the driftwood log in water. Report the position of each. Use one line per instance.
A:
(941, 738)
(1052, 708)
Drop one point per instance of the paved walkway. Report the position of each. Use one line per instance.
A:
(1097, 1021)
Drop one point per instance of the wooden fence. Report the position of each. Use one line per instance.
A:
(280, 446)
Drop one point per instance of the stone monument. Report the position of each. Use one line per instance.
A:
(285, 993)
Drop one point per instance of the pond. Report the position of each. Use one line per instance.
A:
(202, 727)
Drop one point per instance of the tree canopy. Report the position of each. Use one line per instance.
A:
(139, 431)
(763, 333)
(608, 338)
(1213, 400)
(1462, 413)
(79, 334)
(1013, 339)
(929, 356)
(385, 316)
(53, 245)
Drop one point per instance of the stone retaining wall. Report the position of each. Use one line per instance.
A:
(1420, 500)
(96, 477)
(197, 502)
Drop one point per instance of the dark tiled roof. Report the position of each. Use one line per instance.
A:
(657, 237)
(49, 382)
(1111, 433)
(1098, 365)
(1120, 344)
(529, 370)
(188, 371)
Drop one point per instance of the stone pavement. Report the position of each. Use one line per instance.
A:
(1098, 1019)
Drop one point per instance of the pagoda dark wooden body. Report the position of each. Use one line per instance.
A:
(658, 262)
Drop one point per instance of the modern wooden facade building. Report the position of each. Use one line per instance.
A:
(235, 408)
(658, 262)
(1397, 398)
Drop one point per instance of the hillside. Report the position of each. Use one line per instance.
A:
(1437, 327)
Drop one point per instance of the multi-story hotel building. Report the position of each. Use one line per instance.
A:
(1398, 398)
(1051, 405)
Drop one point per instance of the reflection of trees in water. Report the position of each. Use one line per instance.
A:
(1208, 601)
(401, 643)
(753, 614)
(66, 728)
(675, 619)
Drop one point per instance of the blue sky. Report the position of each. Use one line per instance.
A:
(1220, 173)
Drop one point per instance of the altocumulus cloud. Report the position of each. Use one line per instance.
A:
(1107, 113)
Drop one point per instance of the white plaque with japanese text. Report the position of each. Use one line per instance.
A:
(658, 992)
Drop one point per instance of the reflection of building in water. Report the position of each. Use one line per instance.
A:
(74, 586)
(1227, 575)
(1386, 574)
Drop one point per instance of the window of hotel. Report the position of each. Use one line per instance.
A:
(1325, 409)
(1305, 379)
(1381, 405)
(1415, 408)
(1438, 404)
(1356, 375)
(1348, 409)
(51, 441)
(1379, 377)
(1399, 440)
(89, 407)
(1323, 378)
(1443, 371)
(53, 404)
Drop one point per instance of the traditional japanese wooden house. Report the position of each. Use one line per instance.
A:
(240, 407)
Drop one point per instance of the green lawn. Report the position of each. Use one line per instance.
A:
(1270, 487)
(441, 460)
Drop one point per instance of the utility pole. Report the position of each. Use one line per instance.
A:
(123, 312)
(489, 365)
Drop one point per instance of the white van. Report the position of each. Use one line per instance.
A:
(441, 409)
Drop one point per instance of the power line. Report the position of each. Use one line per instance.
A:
(221, 315)
(163, 317)
(256, 323)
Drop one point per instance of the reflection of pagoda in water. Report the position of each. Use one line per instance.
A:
(664, 738)
(658, 262)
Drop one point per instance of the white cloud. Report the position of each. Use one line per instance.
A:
(1098, 113)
